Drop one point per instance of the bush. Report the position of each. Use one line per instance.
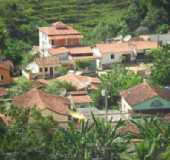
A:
(56, 86)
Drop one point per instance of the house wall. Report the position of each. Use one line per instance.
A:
(5, 77)
(125, 107)
(62, 119)
(44, 72)
(106, 59)
(44, 44)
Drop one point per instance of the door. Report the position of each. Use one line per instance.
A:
(51, 72)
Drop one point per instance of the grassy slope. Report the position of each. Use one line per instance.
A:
(85, 15)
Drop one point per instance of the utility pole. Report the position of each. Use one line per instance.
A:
(104, 94)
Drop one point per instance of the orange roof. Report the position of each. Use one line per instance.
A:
(65, 37)
(83, 51)
(126, 47)
(47, 61)
(56, 51)
(4, 67)
(80, 82)
(42, 100)
(59, 28)
(142, 92)
(80, 97)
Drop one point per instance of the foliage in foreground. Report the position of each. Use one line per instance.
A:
(32, 136)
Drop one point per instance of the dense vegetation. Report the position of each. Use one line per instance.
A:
(98, 20)
(32, 136)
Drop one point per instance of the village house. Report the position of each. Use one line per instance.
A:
(42, 68)
(145, 98)
(121, 51)
(62, 41)
(57, 35)
(49, 105)
(5, 72)
(79, 99)
(80, 82)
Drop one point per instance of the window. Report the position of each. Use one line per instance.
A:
(112, 56)
(1, 77)
(41, 69)
(46, 69)
(52, 42)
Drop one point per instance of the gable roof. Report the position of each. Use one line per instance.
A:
(82, 51)
(80, 82)
(80, 97)
(74, 51)
(143, 92)
(45, 61)
(57, 51)
(42, 100)
(126, 47)
(58, 29)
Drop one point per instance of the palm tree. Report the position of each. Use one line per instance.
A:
(154, 139)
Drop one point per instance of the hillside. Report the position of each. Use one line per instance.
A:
(84, 15)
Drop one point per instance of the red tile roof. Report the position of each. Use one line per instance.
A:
(125, 47)
(56, 51)
(80, 97)
(74, 51)
(47, 61)
(144, 92)
(42, 100)
(83, 51)
(65, 37)
(58, 29)
(80, 82)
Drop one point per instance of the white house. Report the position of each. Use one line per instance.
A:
(145, 98)
(57, 35)
(109, 53)
(42, 68)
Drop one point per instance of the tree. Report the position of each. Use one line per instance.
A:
(160, 73)
(21, 85)
(115, 81)
(55, 87)
(153, 139)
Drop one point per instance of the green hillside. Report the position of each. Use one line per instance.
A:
(84, 15)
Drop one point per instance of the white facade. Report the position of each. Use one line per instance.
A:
(125, 107)
(39, 70)
(44, 44)
(107, 58)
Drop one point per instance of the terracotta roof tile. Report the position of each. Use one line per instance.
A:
(59, 28)
(46, 61)
(56, 51)
(143, 92)
(80, 97)
(80, 82)
(83, 51)
(42, 100)
(125, 47)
